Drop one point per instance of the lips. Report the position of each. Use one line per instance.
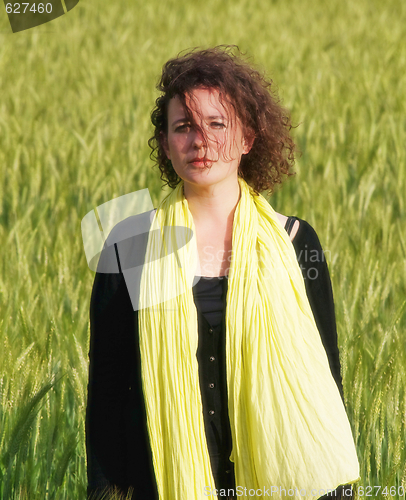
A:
(200, 162)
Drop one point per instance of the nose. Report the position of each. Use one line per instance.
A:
(198, 140)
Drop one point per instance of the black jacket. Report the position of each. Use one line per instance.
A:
(118, 449)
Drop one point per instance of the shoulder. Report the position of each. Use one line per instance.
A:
(302, 234)
(306, 234)
(131, 226)
(283, 220)
(306, 243)
(124, 245)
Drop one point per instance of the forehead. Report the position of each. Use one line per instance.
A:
(202, 102)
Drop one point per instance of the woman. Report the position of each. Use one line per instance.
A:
(219, 384)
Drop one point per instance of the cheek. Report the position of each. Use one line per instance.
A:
(232, 147)
(164, 144)
(176, 144)
(219, 143)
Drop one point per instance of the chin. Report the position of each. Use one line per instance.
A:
(203, 181)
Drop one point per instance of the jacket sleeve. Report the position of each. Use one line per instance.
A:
(111, 355)
(312, 262)
(118, 450)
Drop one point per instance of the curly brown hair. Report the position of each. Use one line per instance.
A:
(254, 100)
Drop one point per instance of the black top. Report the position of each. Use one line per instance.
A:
(210, 298)
(118, 449)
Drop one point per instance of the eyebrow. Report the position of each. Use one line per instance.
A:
(213, 117)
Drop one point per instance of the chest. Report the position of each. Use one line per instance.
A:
(214, 248)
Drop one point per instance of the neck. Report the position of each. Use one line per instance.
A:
(212, 204)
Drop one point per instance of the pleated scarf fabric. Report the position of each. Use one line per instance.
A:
(288, 423)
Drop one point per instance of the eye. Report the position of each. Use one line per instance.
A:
(218, 125)
(184, 127)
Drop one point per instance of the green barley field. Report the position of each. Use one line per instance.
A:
(75, 99)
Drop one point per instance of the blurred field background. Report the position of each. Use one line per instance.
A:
(75, 99)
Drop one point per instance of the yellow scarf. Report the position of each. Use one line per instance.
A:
(288, 423)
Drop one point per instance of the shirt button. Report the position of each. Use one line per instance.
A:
(211, 386)
(212, 358)
(211, 412)
(210, 330)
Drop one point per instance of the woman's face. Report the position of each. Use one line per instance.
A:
(197, 161)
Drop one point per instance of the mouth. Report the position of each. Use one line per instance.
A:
(200, 162)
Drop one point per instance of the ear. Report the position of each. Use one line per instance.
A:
(248, 141)
(164, 144)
